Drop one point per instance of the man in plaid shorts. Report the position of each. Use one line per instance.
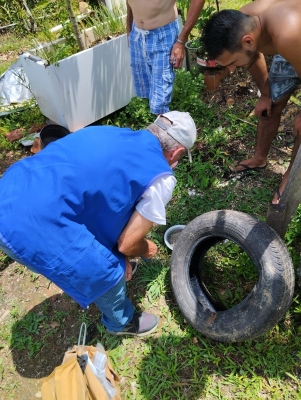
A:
(157, 47)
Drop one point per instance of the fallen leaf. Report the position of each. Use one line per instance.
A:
(16, 134)
(54, 324)
(36, 128)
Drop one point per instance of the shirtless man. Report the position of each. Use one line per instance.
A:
(157, 47)
(240, 39)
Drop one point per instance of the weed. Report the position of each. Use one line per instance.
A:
(228, 273)
(83, 316)
(24, 119)
(107, 23)
(25, 333)
(155, 278)
(135, 115)
(4, 260)
(33, 277)
(20, 269)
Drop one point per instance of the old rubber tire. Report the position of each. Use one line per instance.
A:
(264, 305)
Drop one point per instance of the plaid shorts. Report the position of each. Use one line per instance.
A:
(153, 73)
(283, 78)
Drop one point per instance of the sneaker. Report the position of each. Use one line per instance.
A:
(142, 324)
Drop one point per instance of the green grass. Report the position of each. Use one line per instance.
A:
(232, 4)
(176, 362)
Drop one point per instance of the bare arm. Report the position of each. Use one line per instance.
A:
(129, 19)
(132, 241)
(193, 14)
(178, 50)
(259, 72)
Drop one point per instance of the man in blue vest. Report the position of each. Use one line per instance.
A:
(76, 211)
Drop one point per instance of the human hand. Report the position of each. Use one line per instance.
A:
(128, 270)
(152, 249)
(263, 107)
(177, 55)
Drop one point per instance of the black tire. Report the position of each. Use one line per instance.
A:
(269, 299)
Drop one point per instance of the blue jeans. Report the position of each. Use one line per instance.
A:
(116, 308)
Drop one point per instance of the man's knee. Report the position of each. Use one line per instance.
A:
(279, 105)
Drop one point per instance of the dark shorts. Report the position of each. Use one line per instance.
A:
(283, 78)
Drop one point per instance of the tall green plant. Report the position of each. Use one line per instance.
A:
(183, 6)
(196, 33)
(107, 22)
(12, 12)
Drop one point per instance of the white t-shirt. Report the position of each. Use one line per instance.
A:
(154, 199)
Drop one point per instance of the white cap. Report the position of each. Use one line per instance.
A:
(183, 128)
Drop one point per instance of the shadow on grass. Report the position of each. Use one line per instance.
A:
(176, 362)
(41, 337)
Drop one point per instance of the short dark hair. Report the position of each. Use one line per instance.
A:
(224, 31)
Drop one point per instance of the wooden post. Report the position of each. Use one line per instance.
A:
(75, 26)
(280, 215)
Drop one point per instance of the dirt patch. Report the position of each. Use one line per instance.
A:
(42, 310)
(9, 157)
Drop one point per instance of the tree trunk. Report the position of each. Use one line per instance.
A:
(75, 26)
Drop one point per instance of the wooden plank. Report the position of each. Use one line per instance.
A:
(280, 215)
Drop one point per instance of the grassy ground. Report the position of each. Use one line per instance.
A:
(39, 322)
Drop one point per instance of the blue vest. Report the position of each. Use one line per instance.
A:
(63, 209)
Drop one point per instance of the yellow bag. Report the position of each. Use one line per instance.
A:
(74, 379)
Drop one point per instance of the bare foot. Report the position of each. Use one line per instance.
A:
(279, 191)
(252, 164)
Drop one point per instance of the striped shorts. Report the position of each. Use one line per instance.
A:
(153, 73)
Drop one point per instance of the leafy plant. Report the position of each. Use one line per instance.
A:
(107, 23)
(23, 118)
(195, 43)
(13, 12)
(228, 273)
(25, 333)
(135, 115)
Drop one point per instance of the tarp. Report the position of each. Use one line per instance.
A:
(14, 87)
